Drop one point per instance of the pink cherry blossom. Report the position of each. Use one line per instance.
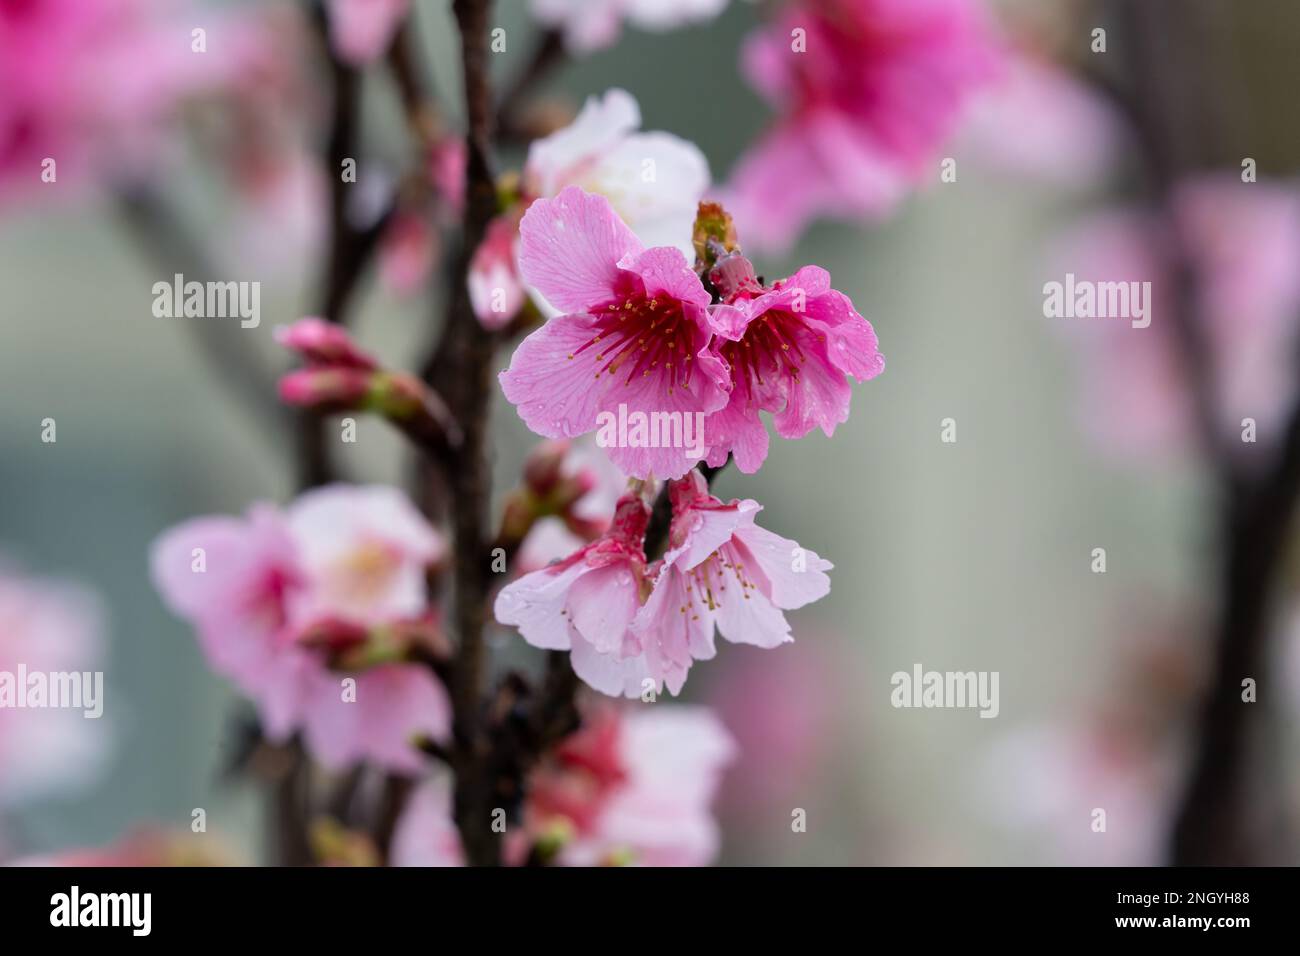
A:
(590, 25)
(362, 30)
(628, 788)
(1243, 243)
(789, 349)
(867, 92)
(631, 628)
(724, 571)
(253, 588)
(426, 834)
(635, 332)
(585, 603)
(48, 626)
(653, 180)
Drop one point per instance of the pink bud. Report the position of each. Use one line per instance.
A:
(323, 343)
(326, 389)
(447, 160)
(543, 466)
(733, 276)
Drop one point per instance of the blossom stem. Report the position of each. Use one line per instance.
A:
(661, 516)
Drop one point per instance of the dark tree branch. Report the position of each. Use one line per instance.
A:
(396, 791)
(416, 92)
(227, 351)
(460, 371)
(1229, 813)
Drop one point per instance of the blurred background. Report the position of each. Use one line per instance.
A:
(970, 555)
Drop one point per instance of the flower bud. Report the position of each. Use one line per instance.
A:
(543, 468)
(326, 389)
(714, 235)
(323, 343)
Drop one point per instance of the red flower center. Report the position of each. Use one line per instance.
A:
(638, 337)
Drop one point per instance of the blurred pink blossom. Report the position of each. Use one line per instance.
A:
(412, 240)
(362, 30)
(1047, 782)
(447, 159)
(280, 217)
(92, 83)
(408, 250)
(1037, 120)
(1124, 754)
(589, 25)
(628, 788)
(867, 92)
(1242, 242)
(426, 834)
(151, 846)
(254, 588)
(781, 709)
(48, 626)
(550, 539)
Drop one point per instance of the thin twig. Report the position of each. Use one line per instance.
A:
(350, 247)
(547, 55)
(228, 352)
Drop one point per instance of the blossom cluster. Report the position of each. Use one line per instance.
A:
(631, 626)
(47, 626)
(640, 300)
(317, 613)
(640, 329)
